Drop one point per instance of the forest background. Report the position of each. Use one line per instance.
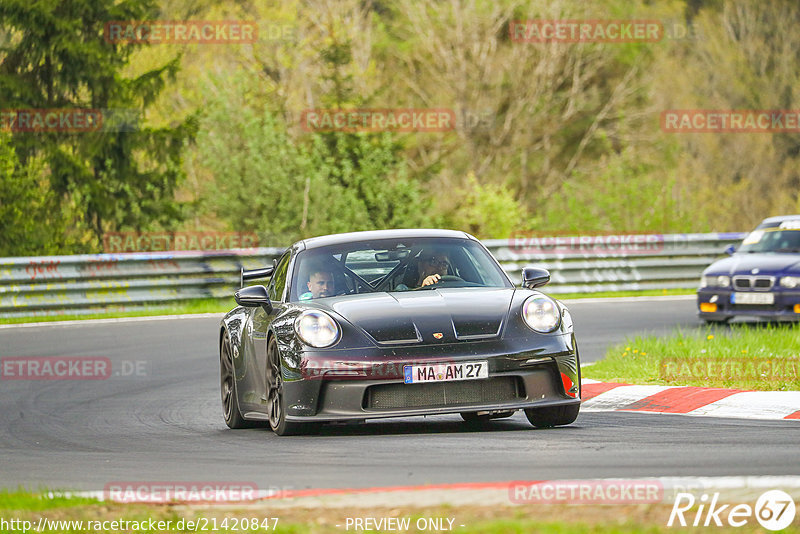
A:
(550, 138)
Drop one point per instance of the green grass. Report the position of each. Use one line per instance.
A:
(23, 500)
(520, 519)
(178, 308)
(751, 356)
(604, 294)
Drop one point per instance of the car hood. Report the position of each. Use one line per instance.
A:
(427, 316)
(744, 263)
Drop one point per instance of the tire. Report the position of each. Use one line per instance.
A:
(276, 401)
(553, 415)
(474, 418)
(227, 381)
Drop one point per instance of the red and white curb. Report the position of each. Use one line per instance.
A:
(688, 400)
(652, 490)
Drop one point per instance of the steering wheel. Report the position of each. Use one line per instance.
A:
(445, 281)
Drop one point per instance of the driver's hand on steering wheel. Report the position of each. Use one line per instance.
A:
(430, 280)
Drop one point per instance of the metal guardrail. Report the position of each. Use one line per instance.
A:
(49, 285)
(615, 263)
(108, 282)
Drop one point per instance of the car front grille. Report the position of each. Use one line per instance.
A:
(487, 391)
(756, 283)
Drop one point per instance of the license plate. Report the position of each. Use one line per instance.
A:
(445, 372)
(752, 298)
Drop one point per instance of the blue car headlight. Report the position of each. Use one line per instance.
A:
(317, 328)
(541, 313)
(790, 282)
(715, 280)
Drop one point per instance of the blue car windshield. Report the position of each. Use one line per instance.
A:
(781, 240)
(393, 265)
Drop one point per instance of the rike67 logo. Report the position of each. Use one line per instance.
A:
(774, 510)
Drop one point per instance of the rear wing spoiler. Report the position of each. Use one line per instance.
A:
(254, 274)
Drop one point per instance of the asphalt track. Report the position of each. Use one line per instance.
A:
(158, 418)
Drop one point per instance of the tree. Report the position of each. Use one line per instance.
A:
(744, 58)
(285, 188)
(29, 226)
(58, 58)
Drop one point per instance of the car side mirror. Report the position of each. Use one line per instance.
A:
(533, 277)
(730, 249)
(252, 297)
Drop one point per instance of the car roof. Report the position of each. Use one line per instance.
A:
(774, 221)
(352, 237)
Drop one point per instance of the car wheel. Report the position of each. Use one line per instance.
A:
(227, 379)
(552, 415)
(276, 402)
(480, 418)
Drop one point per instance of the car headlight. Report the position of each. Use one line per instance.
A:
(715, 281)
(541, 313)
(316, 328)
(790, 281)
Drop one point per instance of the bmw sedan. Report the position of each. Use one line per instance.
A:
(760, 279)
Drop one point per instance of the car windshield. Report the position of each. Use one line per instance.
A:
(786, 240)
(393, 265)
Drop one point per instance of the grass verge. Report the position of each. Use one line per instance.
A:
(605, 294)
(519, 519)
(756, 356)
(178, 308)
(22, 500)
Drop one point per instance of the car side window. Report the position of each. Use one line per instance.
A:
(278, 282)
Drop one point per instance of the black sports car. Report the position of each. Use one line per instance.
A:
(395, 323)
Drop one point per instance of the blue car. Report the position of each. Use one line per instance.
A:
(761, 278)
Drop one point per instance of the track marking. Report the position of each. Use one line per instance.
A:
(680, 399)
(692, 401)
(114, 320)
(497, 492)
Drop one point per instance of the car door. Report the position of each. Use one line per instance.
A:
(262, 320)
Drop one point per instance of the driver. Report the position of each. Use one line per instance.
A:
(432, 265)
(320, 284)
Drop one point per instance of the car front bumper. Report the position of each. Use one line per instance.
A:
(331, 386)
(786, 306)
